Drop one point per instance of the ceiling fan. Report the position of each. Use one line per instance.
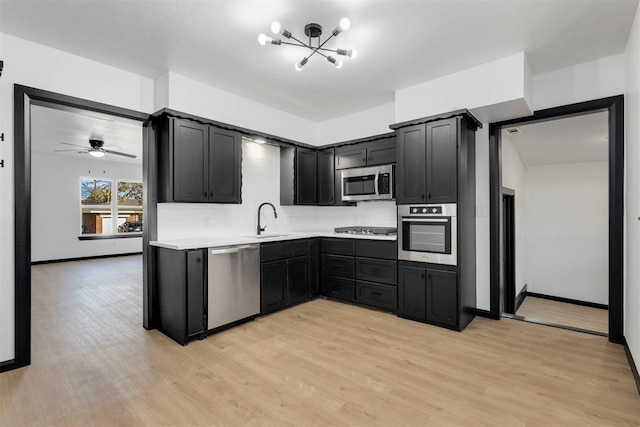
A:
(97, 149)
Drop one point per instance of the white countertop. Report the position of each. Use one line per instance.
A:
(219, 241)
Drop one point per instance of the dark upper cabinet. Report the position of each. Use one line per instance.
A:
(225, 161)
(441, 160)
(442, 297)
(378, 152)
(351, 156)
(198, 162)
(382, 151)
(412, 292)
(411, 165)
(298, 176)
(190, 162)
(326, 173)
(306, 176)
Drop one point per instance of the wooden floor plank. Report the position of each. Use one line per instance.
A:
(317, 364)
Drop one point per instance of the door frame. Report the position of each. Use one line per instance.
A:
(24, 97)
(615, 107)
(509, 250)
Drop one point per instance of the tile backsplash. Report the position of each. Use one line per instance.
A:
(261, 183)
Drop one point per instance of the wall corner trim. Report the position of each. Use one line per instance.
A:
(632, 363)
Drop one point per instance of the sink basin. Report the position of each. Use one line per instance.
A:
(266, 236)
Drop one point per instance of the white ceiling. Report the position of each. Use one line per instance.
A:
(567, 140)
(50, 126)
(400, 43)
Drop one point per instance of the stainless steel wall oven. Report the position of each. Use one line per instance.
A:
(428, 233)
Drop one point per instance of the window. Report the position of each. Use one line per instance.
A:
(104, 214)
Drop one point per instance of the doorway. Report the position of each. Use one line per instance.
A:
(614, 108)
(24, 99)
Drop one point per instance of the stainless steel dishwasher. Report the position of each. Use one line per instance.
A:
(233, 284)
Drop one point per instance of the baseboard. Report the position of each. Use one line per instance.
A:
(568, 300)
(9, 365)
(521, 296)
(632, 364)
(51, 261)
(487, 314)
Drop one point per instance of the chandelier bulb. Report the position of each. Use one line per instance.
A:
(345, 24)
(352, 53)
(301, 64)
(276, 27)
(263, 39)
(338, 63)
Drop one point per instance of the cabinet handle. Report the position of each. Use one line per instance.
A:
(422, 196)
(376, 293)
(422, 276)
(428, 196)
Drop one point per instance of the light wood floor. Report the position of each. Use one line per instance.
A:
(578, 316)
(320, 363)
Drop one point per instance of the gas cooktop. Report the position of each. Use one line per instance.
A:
(366, 230)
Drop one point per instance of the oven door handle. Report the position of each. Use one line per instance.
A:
(422, 219)
(375, 183)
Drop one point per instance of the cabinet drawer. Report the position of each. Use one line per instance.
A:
(385, 249)
(283, 250)
(337, 246)
(377, 270)
(337, 265)
(376, 295)
(337, 287)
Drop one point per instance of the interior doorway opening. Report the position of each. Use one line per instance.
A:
(612, 108)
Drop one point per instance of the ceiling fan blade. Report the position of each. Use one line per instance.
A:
(117, 153)
(74, 145)
(111, 147)
(76, 150)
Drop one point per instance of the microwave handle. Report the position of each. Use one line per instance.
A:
(424, 218)
(375, 183)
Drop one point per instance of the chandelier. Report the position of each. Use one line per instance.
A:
(313, 31)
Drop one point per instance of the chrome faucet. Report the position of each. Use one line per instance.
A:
(275, 214)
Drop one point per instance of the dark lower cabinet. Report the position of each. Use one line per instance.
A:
(412, 293)
(284, 274)
(360, 270)
(273, 286)
(428, 295)
(180, 293)
(314, 266)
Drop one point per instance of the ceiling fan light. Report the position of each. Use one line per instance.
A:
(96, 153)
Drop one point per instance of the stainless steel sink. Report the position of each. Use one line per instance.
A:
(267, 236)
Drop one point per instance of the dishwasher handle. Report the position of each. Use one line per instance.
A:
(231, 250)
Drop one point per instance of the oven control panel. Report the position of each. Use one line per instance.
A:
(430, 210)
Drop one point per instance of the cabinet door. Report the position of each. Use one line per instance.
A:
(338, 287)
(298, 271)
(442, 183)
(412, 292)
(314, 266)
(225, 163)
(410, 169)
(273, 284)
(442, 297)
(381, 152)
(351, 156)
(337, 265)
(195, 292)
(325, 177)
(306, 175)
(190, 161)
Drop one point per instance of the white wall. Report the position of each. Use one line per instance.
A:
(374, 121)
(55, 206)
(261, 183)
(504, 83)
(567, 231)
(38, 66)
(514, 177)
(632, 199)
(191, 96)
(583, 82)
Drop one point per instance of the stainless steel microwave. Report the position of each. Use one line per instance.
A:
(370, 183)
